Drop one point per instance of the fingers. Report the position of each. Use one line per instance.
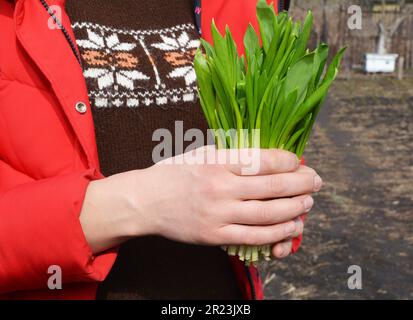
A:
(305, 169)
(236, 234)
(255, 212)
(259, 161)
(302, 181)
(282, 249)
(299, 228)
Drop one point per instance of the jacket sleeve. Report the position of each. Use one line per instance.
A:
(40, 227)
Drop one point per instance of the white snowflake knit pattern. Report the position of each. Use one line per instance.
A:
(125, 64)
(181, 44)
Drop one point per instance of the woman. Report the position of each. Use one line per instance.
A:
(83, 87)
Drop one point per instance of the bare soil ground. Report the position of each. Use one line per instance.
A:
(362, 146)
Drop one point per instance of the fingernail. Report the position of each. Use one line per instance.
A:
(298, 223)
(308, 203)
(290, 228)
(317, 183)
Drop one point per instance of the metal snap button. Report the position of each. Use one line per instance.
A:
(81, 107)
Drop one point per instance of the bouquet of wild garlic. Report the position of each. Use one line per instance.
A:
(277, 88)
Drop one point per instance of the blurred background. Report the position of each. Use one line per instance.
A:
(362, 146)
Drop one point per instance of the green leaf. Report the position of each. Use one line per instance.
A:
(221, 116)
(266, 18)
(232, 57)
(220, 46)
(241, 97)
(270, 60)
(221, 93)
(303, 38)
(209, 50)
(251, 43)
(205, 86)
(298, 77)
(284, 49)
(210, 119)
(306, 107)
(329, 77)
(320, 59)
(334, 66)
(249, 91)
(286, 111)
(290, 144)
(219, 41)
(281, 18)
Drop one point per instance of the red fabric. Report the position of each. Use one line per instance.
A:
(47, 158)
(251, 289)
(48, 154)
(237, 14)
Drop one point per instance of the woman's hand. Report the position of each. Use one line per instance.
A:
(202, 202)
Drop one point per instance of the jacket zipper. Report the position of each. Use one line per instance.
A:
(61, 27)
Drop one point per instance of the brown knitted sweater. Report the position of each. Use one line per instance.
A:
(137, 62)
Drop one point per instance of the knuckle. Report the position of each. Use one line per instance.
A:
(278, 232)
(275, 185)
(231, 214)
(227, 185)
(263, 214)
(216, 240)
(210, 213)
(307, 181)
(299, 206)
(208, 186)
(221, 238)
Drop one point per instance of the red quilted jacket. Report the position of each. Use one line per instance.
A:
(48, 154)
